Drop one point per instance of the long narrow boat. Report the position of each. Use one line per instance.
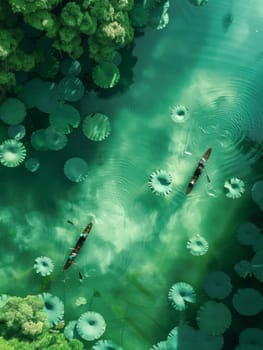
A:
(74, 252)
(198, 170)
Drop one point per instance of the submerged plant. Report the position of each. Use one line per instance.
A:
(96, 126)
(248, 233)
(106, 75)
(234, 188)
(257, 265)
(32, 164)
(12, 153)
(64, 118)
(198, 2)
(252, 337)
(186, 337)
(16, 132)
(12, 111)
(243, 268)
(91, 325)
(71, 89)
(257, 193)
(76, 169)
(217, 285)
(248, 301)
(214, 318)
(55, 140)
(197, 245)
(180, 293)
(160, 182)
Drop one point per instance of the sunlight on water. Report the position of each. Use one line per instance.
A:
(138, 245)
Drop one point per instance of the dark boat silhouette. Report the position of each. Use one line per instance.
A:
(198, 170)
(74, 252)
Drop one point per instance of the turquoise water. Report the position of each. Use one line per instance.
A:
(208, 59)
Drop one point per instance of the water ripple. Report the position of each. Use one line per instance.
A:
(231, 123)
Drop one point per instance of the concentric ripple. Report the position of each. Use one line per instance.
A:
(231, 123)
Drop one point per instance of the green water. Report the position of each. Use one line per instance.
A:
(137, 248)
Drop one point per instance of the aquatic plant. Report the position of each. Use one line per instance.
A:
(106, 75)
(217, 285)
(106, 345)
(16, 132)
(160, 182)
(186, 337)
(76, 169)
(12, 153)
(180, 293)
(197, 245)
(64, 118)
(38, 140)
(48, 139)
(47, 66)
(53, 307)
(96, 126)
(179, 113)
(43, 265)
(23, 316)
(258, 244)
(172, 339)
(55, 140)
(32, 164)
(214, 318)
(198, 2)
(70, 67)
(140, 15)
(91, 325)
(207, 341)
(243, 268)
(159, 17)
(248, 233)
(257, 193)
(252, 336)
(70, 329)
(12, 111)
(257, 265)
(46, 99)
(234, 188)
(248, 301)
(81, 301)
(162, 345)
(71, 89)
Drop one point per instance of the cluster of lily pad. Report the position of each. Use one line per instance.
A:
(249, 234)
(53, 100)
(214, 317)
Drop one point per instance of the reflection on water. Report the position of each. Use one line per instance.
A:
(137, 249)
